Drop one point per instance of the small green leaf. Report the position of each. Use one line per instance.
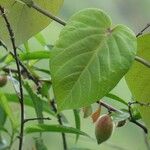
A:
(36, 55)
(37, 101)
(5, 105)
(3, 144)
(117, 98)
(28, 102)
(53, 128)
(138, 78)
(117, 116)
(3, 116)
(44, 90)
(77, 121)
(90, 58)
(40, 38)
(26, 45)
(39, 144)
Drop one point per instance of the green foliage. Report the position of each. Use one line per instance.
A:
(116, 98)
(39, 144)
(138, 78)
(26, 21)
(12, 98)
(6, 107)
(90, 58)
(37, 101)
(77, 121)
(3, 116)
(38, 55)
(53, 128)
(87, 61)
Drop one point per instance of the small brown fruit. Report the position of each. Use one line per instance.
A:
(96, 115)
(3, 80)
(103, 128)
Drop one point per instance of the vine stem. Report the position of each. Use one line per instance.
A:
(20, 95)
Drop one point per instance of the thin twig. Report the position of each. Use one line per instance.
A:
(109, 107)
(61, 123)
(24, 68)
(28, 73)
(48, 14)
(33, 119)
(8, 70)
(140, 125)
(146, 141)
(20, 96)
(145, 28)
(139, 103)
(2, 44)
(133, 120)
(142, 61)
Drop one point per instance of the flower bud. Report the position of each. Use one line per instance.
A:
(103, 128)
(121, 123)
(3, 80)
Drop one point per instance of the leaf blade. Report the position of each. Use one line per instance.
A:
(82, 68)
(53, 128)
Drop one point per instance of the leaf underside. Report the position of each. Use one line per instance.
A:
(90, 58)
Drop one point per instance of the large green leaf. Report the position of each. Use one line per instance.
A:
(138, 78)
(90, 58)
(26, 21)
(53, 128)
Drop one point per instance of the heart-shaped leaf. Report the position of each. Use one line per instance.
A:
(24, 20)
(138, 78)
(90, 58)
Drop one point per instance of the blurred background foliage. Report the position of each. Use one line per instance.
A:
(133, 13)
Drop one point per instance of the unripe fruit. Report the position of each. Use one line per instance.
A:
(3, 80)
(103, 128)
